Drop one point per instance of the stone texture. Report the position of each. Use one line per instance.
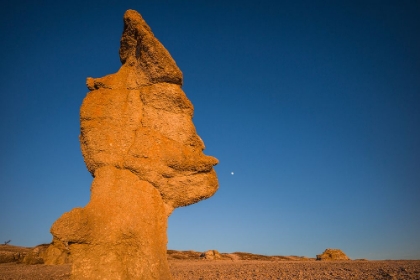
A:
(140, 144)
(332, 255)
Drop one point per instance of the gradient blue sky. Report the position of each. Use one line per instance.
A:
(314, 105)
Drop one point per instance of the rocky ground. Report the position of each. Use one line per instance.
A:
(14, 271)
(262, 270)
(223, 269)
(211, 265)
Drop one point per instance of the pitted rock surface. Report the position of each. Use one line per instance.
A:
(140, 144)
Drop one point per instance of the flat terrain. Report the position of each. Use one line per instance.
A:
(186, 265)
(244, 269)
(295, 270)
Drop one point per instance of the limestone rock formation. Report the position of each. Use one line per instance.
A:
(211, 255)
(332, 255)
(139, 143)
(36, 255)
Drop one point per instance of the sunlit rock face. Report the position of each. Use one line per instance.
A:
(140, 144)
(332, 255)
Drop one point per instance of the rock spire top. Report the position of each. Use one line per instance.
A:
(140, 48)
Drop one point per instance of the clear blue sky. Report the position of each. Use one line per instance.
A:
(314, 105)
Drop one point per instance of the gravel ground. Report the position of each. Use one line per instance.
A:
(283, 270)
(13, 271)
(211, 270)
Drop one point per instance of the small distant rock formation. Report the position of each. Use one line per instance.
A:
(332, 255)
(36, 255)
(140, 145)
(211, 255)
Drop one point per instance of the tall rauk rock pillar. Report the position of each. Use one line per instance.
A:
(139, 143)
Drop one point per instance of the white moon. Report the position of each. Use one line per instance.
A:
(231, 173)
